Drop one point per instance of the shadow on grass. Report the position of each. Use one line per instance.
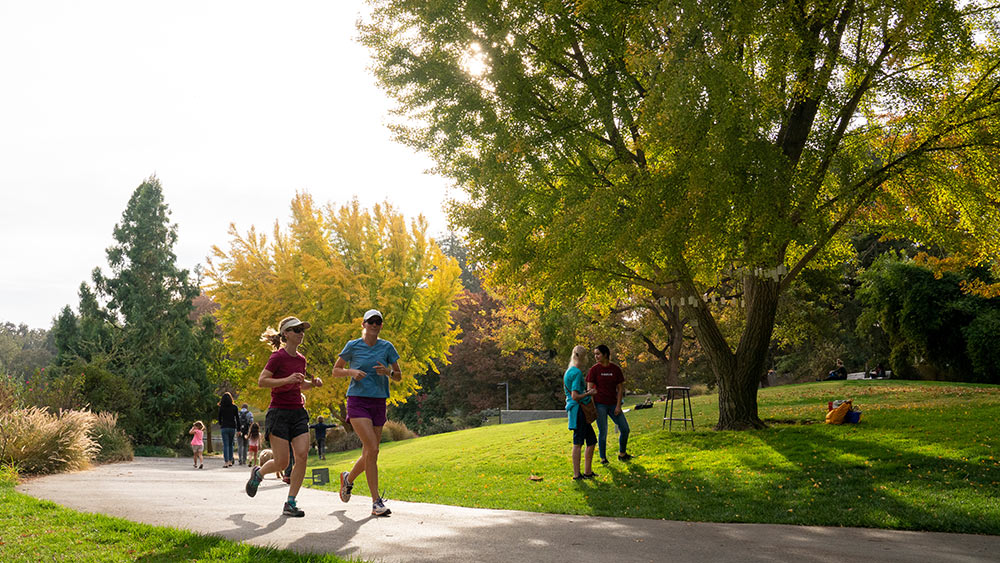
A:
(865, 482)
(803, 475)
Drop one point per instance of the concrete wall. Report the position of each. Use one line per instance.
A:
(511, 417)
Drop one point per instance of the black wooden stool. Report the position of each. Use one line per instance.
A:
(685, 396)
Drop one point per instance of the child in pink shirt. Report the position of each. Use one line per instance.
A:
(253, 442)
(197, 446)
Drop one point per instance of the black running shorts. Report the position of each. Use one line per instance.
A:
(286, 423)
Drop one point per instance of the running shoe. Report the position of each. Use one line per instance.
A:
(379, 508)
(254, 482)
(293, 511)
(286, 479)
(345, 487)
(624, 457)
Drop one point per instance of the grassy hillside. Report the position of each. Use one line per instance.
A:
(924, 457)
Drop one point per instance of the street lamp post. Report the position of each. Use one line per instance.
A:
(507, 391)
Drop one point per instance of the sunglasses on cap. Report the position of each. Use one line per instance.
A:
(374, 321)
(298, 329)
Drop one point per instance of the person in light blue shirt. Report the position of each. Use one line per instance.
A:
(370, 362)
(576, 394)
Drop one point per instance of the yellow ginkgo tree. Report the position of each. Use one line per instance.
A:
(328, 267)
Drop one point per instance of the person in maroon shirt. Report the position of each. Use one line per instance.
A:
(608, 380)
(287, 421)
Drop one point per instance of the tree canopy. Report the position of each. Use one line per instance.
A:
(933, 325)
(133, 342)
(698, 148)
(328, 268)
(23, 350)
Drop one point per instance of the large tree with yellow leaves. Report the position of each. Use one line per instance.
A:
(329, 267)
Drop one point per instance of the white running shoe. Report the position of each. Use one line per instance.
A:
(345, 487)
(379, 509)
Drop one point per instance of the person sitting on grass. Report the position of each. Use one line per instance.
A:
(838, 373)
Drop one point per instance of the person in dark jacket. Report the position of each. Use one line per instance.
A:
(243, 432)
(320, 429)
(838, 373)
(228, 422)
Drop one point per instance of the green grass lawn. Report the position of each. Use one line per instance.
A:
(34, 530)
(924, 457)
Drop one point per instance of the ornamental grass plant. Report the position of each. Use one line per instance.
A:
(36, 441)
(115, 445)
(394, 431)
(341, 440)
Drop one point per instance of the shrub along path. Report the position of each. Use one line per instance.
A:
(168, 492)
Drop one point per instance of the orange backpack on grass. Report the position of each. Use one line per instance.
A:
(836, 416)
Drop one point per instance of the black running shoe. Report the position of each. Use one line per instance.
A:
(254, 482)
(293, 511)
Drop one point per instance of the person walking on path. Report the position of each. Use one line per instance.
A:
(286, 424)
(583, 432)
(609, 382)
(228, 423)
(370, 362)
(320, 429)
(246, 419)
(253, 443)
(197, 445)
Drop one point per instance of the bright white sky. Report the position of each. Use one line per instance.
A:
(234, 106)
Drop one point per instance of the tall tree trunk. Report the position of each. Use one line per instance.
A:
(738, 400)
(738, 373)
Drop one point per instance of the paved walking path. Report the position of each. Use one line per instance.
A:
(168, 492)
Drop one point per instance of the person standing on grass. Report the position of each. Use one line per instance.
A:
(229, 421)
(609, 382)
(286, 424)
(372, 362)
(320, 430)
(197, 445)
(583, 432)
(242, 433)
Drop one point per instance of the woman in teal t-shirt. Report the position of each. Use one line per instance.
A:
(373, 362)
(577, 393)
